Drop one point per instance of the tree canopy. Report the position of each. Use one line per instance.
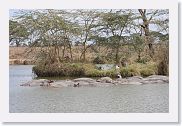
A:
(118, 31)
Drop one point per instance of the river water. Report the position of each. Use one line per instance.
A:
(150, 98)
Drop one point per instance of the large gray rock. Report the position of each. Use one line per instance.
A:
(156, 79)
(158, 76)
(128, 81)
(62, 83)
(86, 84)
(136, 78)
(39, 82)
(105, 80)
(75, 83)
(88, 80)
(120, 80)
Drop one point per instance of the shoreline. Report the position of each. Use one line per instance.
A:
(21, 62)
(75, 77)
(101, 82)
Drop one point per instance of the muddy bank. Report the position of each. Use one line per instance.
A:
(104, 81)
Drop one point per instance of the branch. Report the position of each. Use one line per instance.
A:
(153, 15)
(141, 11)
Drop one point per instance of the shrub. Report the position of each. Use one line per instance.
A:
(59, 70)
(163, 64)
(142, 60)
(162, 58)
(138, 69)
(163, 68)
(99, 60)
(129, 71)
(76, 70)
(147, 72)
(94, 73)
(111, 73)
(89, 70)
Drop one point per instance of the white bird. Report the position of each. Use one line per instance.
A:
(117, 67)
(119, 76)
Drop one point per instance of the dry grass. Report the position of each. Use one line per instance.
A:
(159, 65)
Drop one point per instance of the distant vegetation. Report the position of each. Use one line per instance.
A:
(89, 70)
(70, 42)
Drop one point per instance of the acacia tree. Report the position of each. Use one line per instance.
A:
(17, 33)
(87, 20)
(145, 27)
(65, 31)
(115, 26)
(51, 32)
(138, 44)
(57, 31)
(152, 17)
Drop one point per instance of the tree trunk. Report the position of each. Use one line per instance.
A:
(148, 39)
(139, 56)
(63, 51)
(117, 54)
(145, 27)
(84, 51)
(71, 54)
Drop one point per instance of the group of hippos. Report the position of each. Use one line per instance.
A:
(78, 84)
(118, 76)
(104, 81)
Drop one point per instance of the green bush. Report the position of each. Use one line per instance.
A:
(149, 69)
(129, 71)
(163, 68)
(111, 73)
(99, 60)
(139, 69)
(144, 60)
(94, 73)
(147, 72)
(59, 70)
(161, 57)
(76, 70)
(99, 73)
(90, 70)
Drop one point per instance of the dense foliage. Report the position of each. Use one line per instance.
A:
(64, 37)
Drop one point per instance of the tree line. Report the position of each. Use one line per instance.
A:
(120, 32)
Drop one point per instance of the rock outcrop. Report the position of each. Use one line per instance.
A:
(39, 82)
(137, 80)
(104, 81)
(88, 80)
(156, 79)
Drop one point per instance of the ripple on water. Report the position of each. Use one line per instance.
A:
(117, 99)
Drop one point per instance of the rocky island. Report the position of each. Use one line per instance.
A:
(104, 81)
